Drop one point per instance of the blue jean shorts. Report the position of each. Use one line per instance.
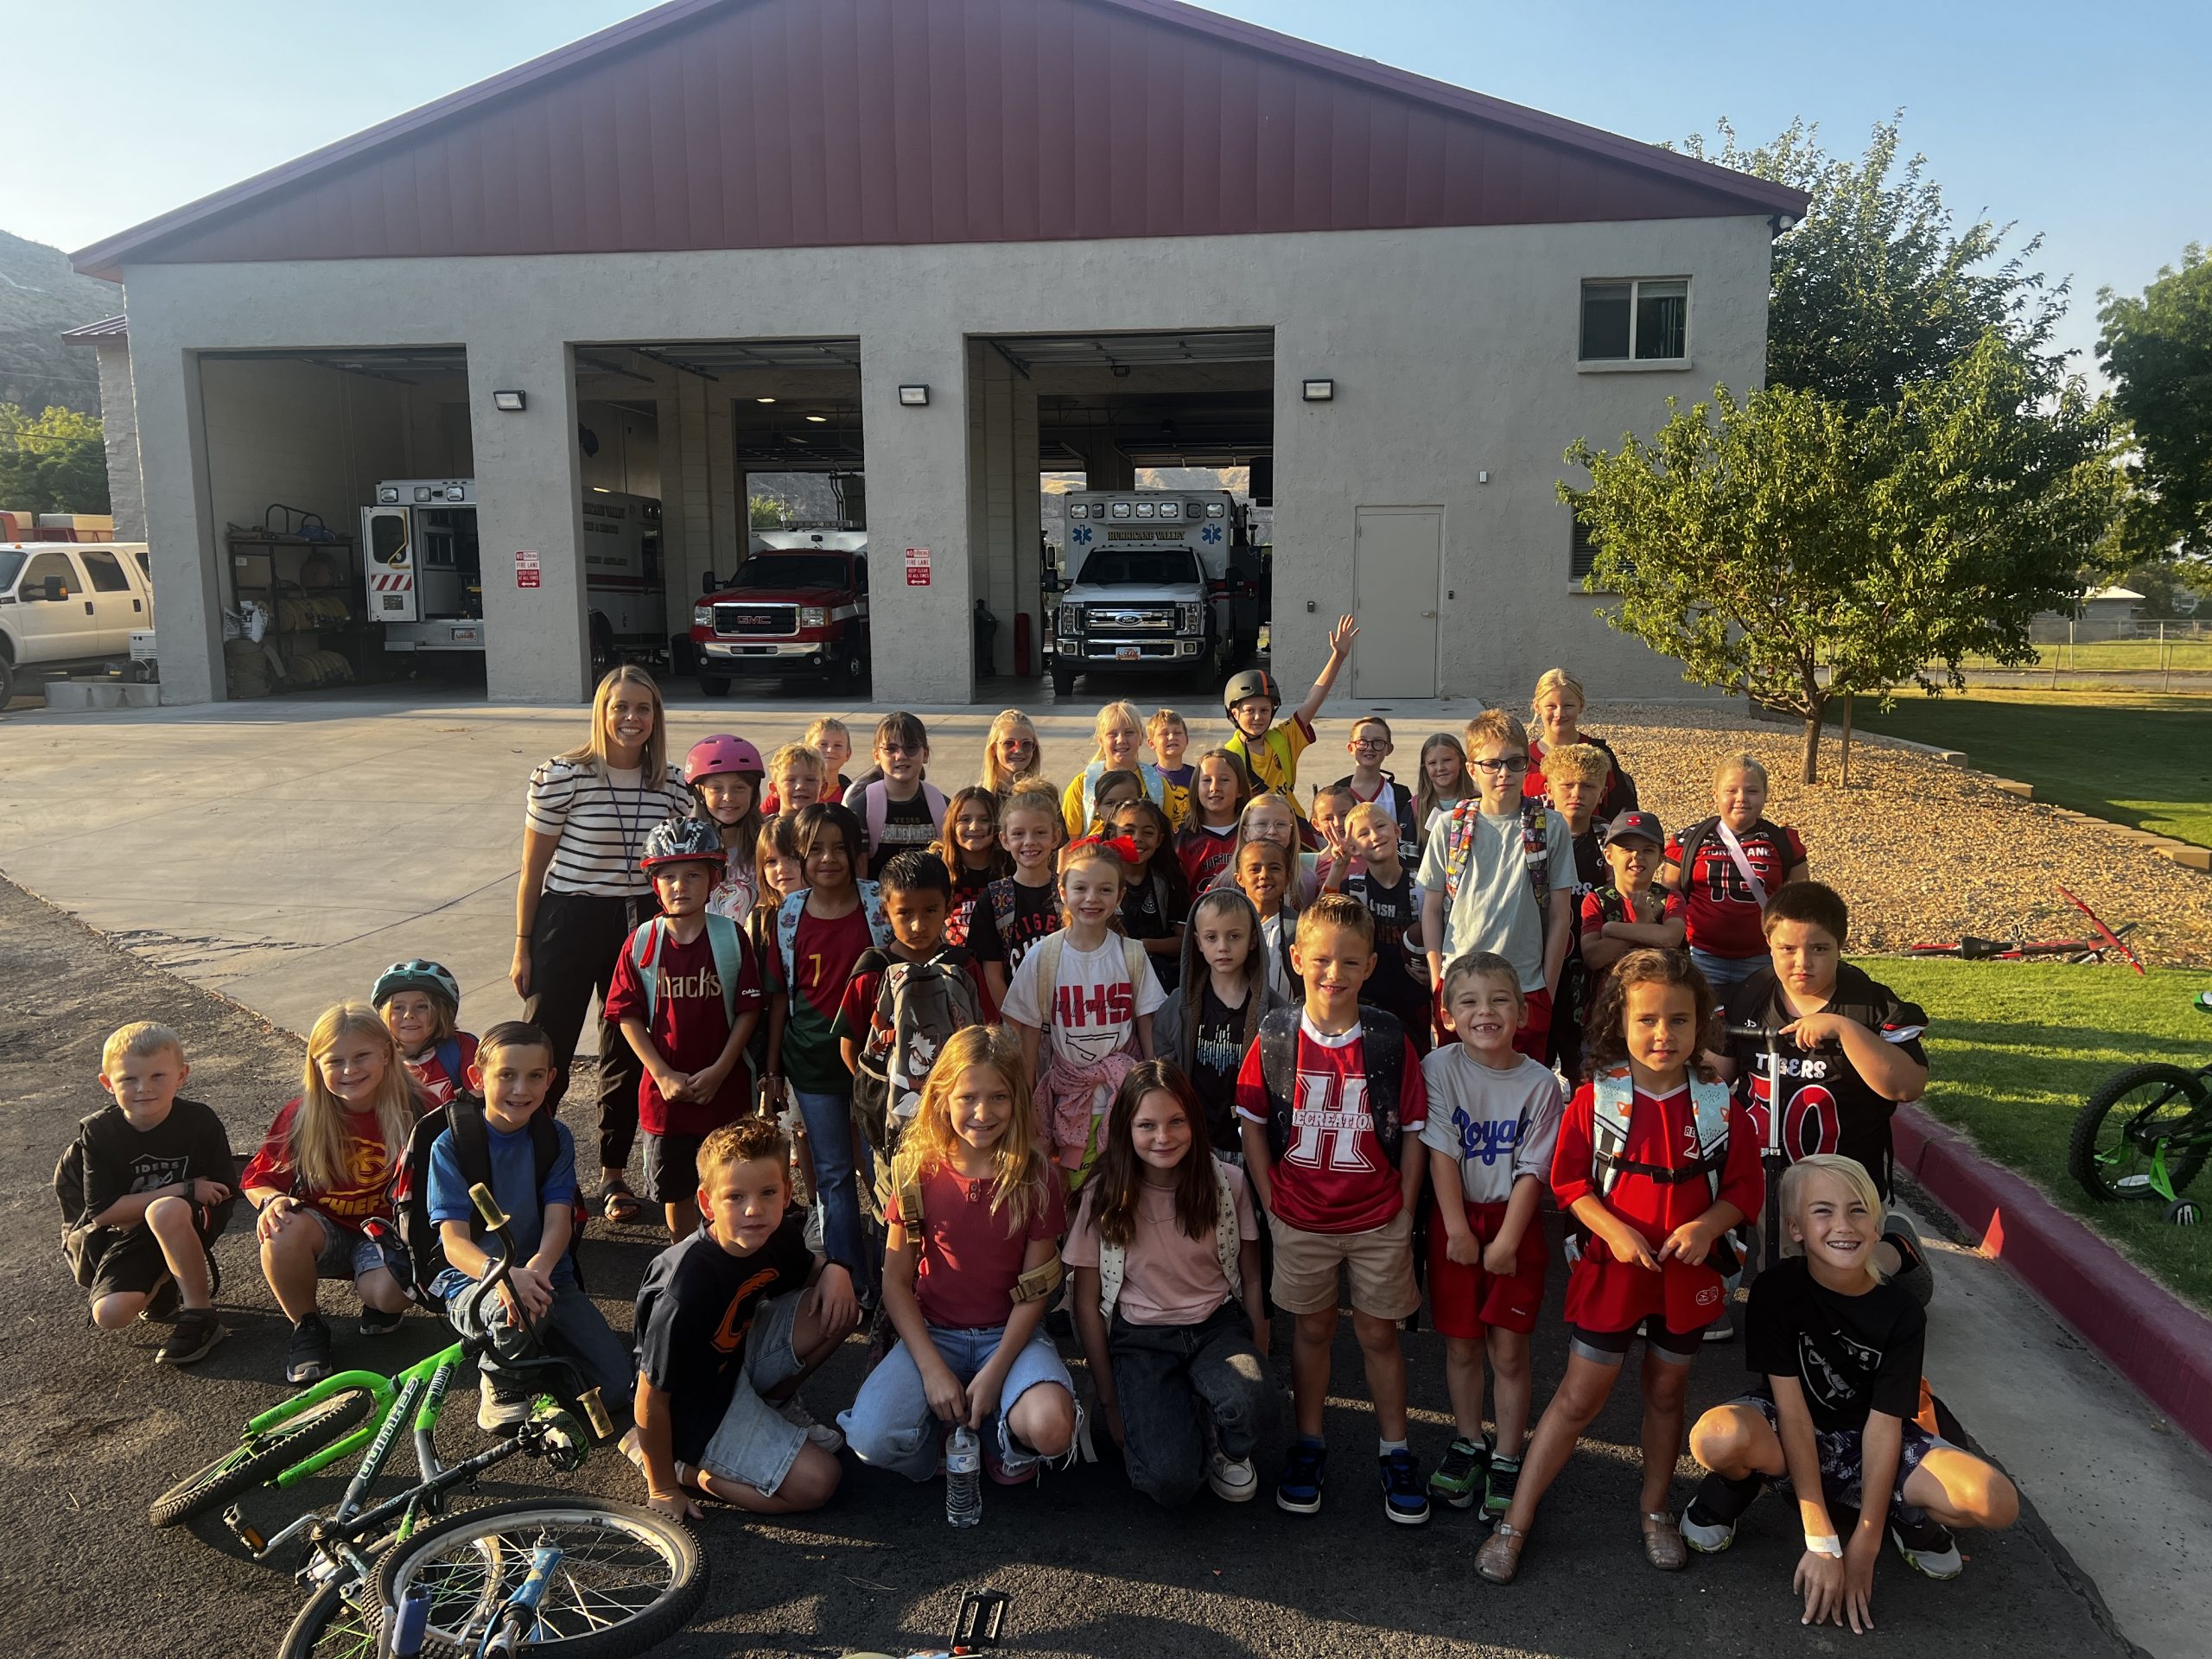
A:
(753, 1446)
(891, 1427)
(348, 1252)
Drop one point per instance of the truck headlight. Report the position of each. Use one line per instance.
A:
(703, 616)
(1070, 619)
(813, 616)
(1190, 618)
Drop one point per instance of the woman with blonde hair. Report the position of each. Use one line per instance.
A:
(581, 892)
(322, 1183)
(1555, 715)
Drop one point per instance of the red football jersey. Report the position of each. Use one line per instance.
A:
(1724, 911)
(1334, 1176)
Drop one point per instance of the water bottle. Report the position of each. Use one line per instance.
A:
(963, 1477)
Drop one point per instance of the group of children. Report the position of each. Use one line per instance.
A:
(1214, 1048)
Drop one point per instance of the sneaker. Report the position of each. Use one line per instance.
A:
(1404, 1499)
(196, 1330)
(307, 1360)
(1705, 1535)
(1929, 1548)
(375, 1322)
(1299, 1489)
(828, 1436)
(1007, 1461)
(1498, 1489)
(502, 1403)
(1460, 1474)
(1722, 1329)
(1234, 1480)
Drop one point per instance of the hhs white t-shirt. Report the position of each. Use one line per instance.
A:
(1095, 1006)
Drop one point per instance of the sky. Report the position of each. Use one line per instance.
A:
(2033, 111)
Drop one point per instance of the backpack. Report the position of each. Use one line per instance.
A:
(923, 1003)
(1114, 1259)
(464, 1116)
(723, 938)
(1383, 1047)
(1612, 1100)
(794, 906)
(1402, 809)
(875, 807)
(69, 1182)
(1536, 845)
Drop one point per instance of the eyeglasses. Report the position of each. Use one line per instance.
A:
(1509, 764)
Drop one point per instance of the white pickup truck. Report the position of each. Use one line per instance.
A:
(1163, 579)
(67, 605)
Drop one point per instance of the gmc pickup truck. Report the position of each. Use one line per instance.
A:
(797, 605)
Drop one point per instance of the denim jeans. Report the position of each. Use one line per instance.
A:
(840, 1158)
(1724, 974)
(891, 1427)
(1171, 1379)
(573, 1328)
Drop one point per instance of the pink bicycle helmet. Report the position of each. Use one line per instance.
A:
(716, 756)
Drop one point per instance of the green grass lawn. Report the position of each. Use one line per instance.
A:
(2134, 758)
(2015, 1049)
(2139, 656)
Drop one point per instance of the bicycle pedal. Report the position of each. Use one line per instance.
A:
(243, 1531)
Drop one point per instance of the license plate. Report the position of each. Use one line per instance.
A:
(1126, 654)
(467, 636)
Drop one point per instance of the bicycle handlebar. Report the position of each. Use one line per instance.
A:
(564, 1379)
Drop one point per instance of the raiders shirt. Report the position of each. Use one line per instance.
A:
(1851, 1355)
(1825, 1105)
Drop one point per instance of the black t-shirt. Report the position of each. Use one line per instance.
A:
(694, 1310)
(1397, 911)
(1851, 1354)
(1145, 916)
(1036, 913)
(118, 1160)
(1590, 870)
(1826, 1104)
(1218, 1048)
(908, 828)
(967, 893)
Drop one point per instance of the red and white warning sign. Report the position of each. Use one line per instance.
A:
(388, 581)
(918, 567)
(526, 570)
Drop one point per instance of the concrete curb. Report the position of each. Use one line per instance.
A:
(2154, 1338)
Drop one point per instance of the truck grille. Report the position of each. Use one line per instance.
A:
(756, 618)
(1130, 619)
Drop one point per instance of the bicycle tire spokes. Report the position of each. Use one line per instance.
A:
(605, 1576)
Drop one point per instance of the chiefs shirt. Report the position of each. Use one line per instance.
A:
(364, 1191)
(1334, 1176)
(1724, 913)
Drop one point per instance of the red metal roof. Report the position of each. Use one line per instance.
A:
(777, 124)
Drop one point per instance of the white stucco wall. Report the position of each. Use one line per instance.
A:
(126, 490)
(1452, 352)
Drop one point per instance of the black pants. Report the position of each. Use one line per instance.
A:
(577, 940)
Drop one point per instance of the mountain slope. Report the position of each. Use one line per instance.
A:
(40, 296)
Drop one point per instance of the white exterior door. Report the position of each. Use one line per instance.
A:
(1398, 570)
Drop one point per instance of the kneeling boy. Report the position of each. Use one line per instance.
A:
(729, 1322)
(146, 1188)
(503, 1137)
(1332, 1104)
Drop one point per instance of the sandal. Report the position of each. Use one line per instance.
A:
(1499, 1558)
(1662, 1544)
(618, 1204)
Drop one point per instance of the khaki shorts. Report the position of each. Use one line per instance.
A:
(1381, 1262)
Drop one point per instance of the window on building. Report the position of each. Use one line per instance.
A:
(107, 575)
(1644, 319)
(1581, 551)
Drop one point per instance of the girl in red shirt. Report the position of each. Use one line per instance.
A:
(1646, 1265)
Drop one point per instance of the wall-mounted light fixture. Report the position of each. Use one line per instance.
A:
(764, 400)
(818, 420)
(1317, 392)
(511, 402)
(914, 396)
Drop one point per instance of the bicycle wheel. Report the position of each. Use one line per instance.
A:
(629, 1577)
(263, 1457)
(332, 1626)
(2144, 1115)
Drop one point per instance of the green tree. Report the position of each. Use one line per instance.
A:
(1877, 286)
(1797, 550)
(2157, 349)
(53, 462)
(768, 512)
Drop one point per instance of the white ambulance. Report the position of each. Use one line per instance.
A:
(1161, 579)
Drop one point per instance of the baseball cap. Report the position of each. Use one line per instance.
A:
(1643, 825)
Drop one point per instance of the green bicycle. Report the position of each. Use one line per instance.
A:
(575, 1576)
(2146, 1134)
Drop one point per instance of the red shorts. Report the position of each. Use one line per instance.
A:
(1466, 1302)
(1535, 1037)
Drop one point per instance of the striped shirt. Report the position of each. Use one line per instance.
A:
(602, 820)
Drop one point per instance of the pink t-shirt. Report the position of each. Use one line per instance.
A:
(1171, 1278)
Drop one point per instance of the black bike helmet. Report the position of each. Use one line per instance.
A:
(682, 841)
(1252, 683)
(418, 975)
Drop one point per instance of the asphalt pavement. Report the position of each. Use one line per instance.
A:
(94, 1431)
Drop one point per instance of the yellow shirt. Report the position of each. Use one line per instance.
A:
(1273, 761)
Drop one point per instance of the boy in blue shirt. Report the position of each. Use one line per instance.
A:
(497, 1136)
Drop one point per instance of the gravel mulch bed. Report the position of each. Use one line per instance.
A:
(1922, 850)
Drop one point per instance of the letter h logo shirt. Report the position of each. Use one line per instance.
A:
(1334, 1175)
